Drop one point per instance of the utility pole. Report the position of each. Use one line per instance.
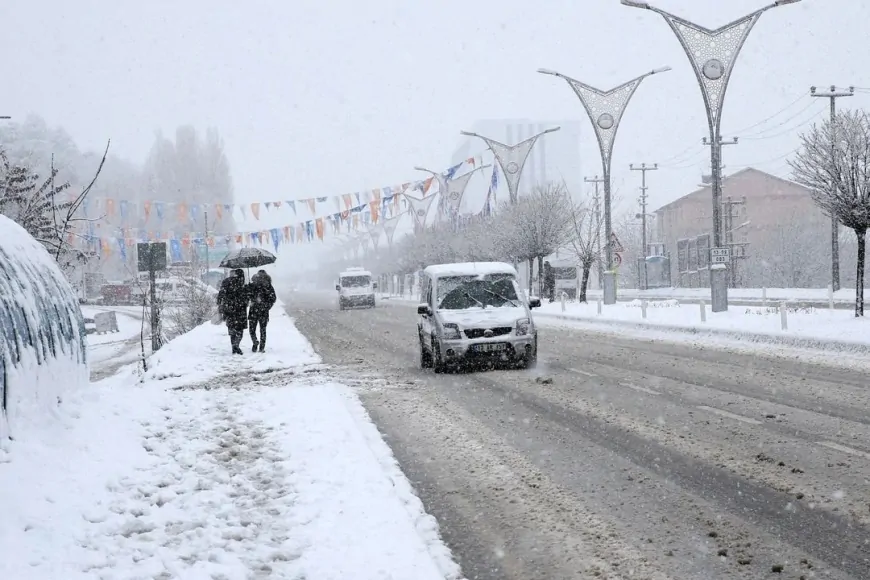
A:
(207, 264)
(721, 224)
(596, 180)
(833, 95)
(729, 229)
(643, 196)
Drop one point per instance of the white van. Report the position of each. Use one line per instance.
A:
(475, 312)
(356, 288)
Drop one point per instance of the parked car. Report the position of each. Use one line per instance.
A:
(116, 293)
(172, 290)
(356, 288)
(474, 312)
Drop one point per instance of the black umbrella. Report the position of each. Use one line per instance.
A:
(248, 258)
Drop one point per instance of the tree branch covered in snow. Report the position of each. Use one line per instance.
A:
(36, 205)
(833, 161)
(536, 226)
(587, 225)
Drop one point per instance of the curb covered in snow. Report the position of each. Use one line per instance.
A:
(804, 342)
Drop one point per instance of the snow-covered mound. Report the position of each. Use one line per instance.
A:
(42, 332)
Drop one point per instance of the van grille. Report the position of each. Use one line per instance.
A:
(478, 332)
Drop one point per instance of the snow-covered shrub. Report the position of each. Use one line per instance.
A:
(42, 331)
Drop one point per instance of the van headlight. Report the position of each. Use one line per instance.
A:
(451, 331)
(523, 325)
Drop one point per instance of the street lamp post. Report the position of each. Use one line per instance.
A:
(605, 109)
(712, 54)
(452, 190)
(511, 158)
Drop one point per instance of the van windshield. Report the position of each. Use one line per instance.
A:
(461, 292)
(355, 281)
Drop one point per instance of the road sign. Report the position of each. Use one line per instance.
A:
(615, 244)
(152, 255)
(617, 260)
(720, 255)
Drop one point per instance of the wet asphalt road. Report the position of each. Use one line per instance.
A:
(616, 457)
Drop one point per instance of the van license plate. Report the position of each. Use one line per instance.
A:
(489, 347)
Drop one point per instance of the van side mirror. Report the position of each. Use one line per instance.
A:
(534, 302)
(424, 310)
(338, 287)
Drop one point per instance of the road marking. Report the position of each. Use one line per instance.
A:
(722, 413)
(584, 373)
(844, 449)
(639, 388)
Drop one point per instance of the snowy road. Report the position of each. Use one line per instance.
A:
(631, 457)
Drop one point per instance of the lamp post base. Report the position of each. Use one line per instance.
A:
(718, 288)
(609, 287)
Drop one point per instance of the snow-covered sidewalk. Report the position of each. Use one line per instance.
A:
(210, 466)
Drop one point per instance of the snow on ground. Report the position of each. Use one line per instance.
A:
(129, 325)
(812, 323)
(214, 466)
(845, 295)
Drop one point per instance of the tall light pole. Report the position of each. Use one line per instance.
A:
(605, 109)
(452, 190)
(834, 94)
(712, 54)
(643, 197)
(511, 158)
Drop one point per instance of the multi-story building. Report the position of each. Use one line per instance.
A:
(779, 237)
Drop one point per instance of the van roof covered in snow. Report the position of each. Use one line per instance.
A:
(354, 272)
(470, 269)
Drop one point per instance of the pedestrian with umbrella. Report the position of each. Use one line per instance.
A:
(232, 300)
(234, 294)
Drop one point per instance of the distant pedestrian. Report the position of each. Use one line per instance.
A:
(232, 303)
(263, 298)
(549, 281)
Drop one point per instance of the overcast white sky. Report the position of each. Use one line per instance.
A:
(326, 97)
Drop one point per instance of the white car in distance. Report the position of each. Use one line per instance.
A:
(474, 312)
(355, 288)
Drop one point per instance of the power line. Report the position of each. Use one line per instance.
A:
(783, 110)
(762, 134)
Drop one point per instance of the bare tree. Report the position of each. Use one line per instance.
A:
(538, 225)
(833, 161)
(195, 303)
(586, 243)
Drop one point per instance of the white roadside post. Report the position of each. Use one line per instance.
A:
(643, 308)
(783, 315)
(830, 296)
(563, 297)
(764, 296)
(599, 306)
(703, 311)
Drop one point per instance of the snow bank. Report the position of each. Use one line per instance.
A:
(42, 343)
(217, 466)
(818, 329)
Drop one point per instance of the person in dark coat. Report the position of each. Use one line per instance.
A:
(549, 281)
(232, 300)
(263, 298)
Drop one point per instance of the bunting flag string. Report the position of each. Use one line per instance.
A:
(151, 211)
(363, 214)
